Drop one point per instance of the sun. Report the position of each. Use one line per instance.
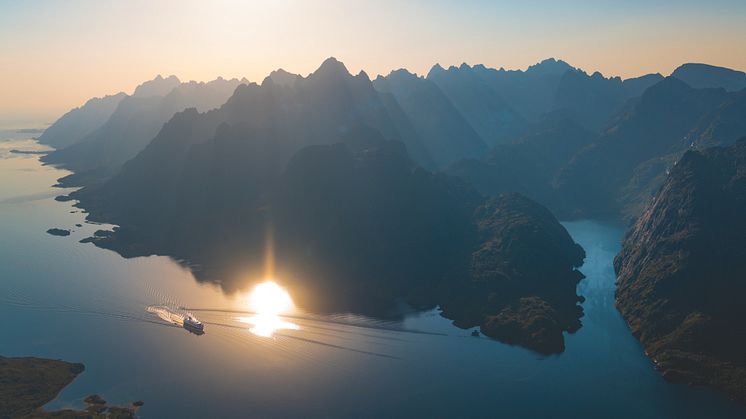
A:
(268, 298)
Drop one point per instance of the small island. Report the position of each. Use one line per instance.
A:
(58, 232)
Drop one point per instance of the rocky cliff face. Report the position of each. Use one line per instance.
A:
(522, 280)
(682, 271)
(629, 159)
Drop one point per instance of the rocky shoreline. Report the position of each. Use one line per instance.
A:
(27, 384)
(681, 272)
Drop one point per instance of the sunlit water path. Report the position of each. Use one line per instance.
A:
(63, 299)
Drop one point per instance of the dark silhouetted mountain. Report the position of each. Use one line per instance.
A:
(724, 125)
(528, 165)
(593, 100)
(447, 135)
(283, 78)
(80, 122)
(638, 147)
(512, 296)
(356, 224)
(529, 92)
(502, 105)
(157, 87)
(636, 86)
(682, 271)
(318, 109)
(703, 76)
(487, 112)
(135, 122)
(588, 100)
(614, 174)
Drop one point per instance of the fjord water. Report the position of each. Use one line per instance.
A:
(63, 299)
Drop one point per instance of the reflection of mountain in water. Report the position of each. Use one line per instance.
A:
(357, 227)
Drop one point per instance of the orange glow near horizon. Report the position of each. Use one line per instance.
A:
(57, 55)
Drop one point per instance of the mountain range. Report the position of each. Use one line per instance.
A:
(356, 226)
(438, 190)
(135, 121)
(80, 122)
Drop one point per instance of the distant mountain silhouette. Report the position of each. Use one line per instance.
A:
(682, 267)
(136, 120)
(636, 86)
(591, 100)
(448, 136)
(704, 76)
(615, 173)
(528, 165)
(318, 109)
(283, 78)
(80, 122)
(159, 86)
(530, 92)
(502, 105)
(487, 112)
(621, 170)
(585, 145)
(439, 127)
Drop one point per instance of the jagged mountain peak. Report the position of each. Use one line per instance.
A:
(159, 86)
(402, 74)
(331, 66)
(435, 70)
(549, 66)
(282, 77)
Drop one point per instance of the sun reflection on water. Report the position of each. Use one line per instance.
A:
(268, 301)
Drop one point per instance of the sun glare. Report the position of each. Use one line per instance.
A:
(268, 300)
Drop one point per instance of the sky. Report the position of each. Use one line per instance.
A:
(54, 55)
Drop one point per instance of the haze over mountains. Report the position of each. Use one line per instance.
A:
(451, 115)
(438, 190)
(538, 132)
(135, 121)
(78, 123)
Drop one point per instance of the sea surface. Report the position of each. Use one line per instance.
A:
(120, 317)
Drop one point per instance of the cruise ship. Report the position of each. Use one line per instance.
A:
(192, 324)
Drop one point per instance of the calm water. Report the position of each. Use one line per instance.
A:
(63, 299)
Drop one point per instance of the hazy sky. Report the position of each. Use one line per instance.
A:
(56, 54)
